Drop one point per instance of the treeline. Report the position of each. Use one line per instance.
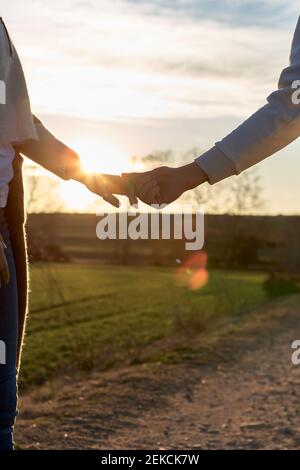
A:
(250, 242)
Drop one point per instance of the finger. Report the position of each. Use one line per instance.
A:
(152, 197)
(146, 187)
(131, 195)
(130, 189)
(149, 192)
(111, 200)
(105, 184)
(142, 185)
(149, 186)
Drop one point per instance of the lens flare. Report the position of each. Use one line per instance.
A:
(193, 273)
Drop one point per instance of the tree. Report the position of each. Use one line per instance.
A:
(41, 192)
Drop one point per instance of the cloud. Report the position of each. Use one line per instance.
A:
(151, 59)
(241, 12)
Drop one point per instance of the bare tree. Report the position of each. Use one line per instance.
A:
(41, 192)
(156, 158)
(240, 196)
(246, 194)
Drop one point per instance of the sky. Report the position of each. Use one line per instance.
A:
(118, 78)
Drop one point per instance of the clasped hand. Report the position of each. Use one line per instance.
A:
(157, 187)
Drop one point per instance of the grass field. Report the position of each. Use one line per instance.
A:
(85, 317)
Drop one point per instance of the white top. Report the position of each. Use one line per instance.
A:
(7, 154)
(16, 121)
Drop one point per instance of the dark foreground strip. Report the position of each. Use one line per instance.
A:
(142, 459)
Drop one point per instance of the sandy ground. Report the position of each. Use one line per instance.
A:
(246, 396)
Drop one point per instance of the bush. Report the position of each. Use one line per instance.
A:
(278, 284)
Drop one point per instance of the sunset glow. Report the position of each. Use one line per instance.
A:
(123, 78)
(97, 156)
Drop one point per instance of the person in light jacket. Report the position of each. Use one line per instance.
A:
(267, 131)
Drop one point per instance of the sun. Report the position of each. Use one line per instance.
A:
(97, 156)
(100, 156)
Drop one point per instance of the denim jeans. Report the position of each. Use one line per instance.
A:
(8, 338)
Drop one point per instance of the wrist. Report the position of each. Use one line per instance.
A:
(77, 173)
(190, 176)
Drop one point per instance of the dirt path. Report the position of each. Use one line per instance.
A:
(247, 397)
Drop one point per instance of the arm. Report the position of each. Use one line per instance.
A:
(53, 155)
(267, 131)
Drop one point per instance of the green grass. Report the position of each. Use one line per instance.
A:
(95, 317)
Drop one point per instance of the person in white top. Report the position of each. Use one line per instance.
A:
(21, 133)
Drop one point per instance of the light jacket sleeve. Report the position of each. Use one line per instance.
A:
(267, 131)
(51, 153)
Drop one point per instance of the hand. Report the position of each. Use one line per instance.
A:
(108, 185)
(4, 269)
(172, 182)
